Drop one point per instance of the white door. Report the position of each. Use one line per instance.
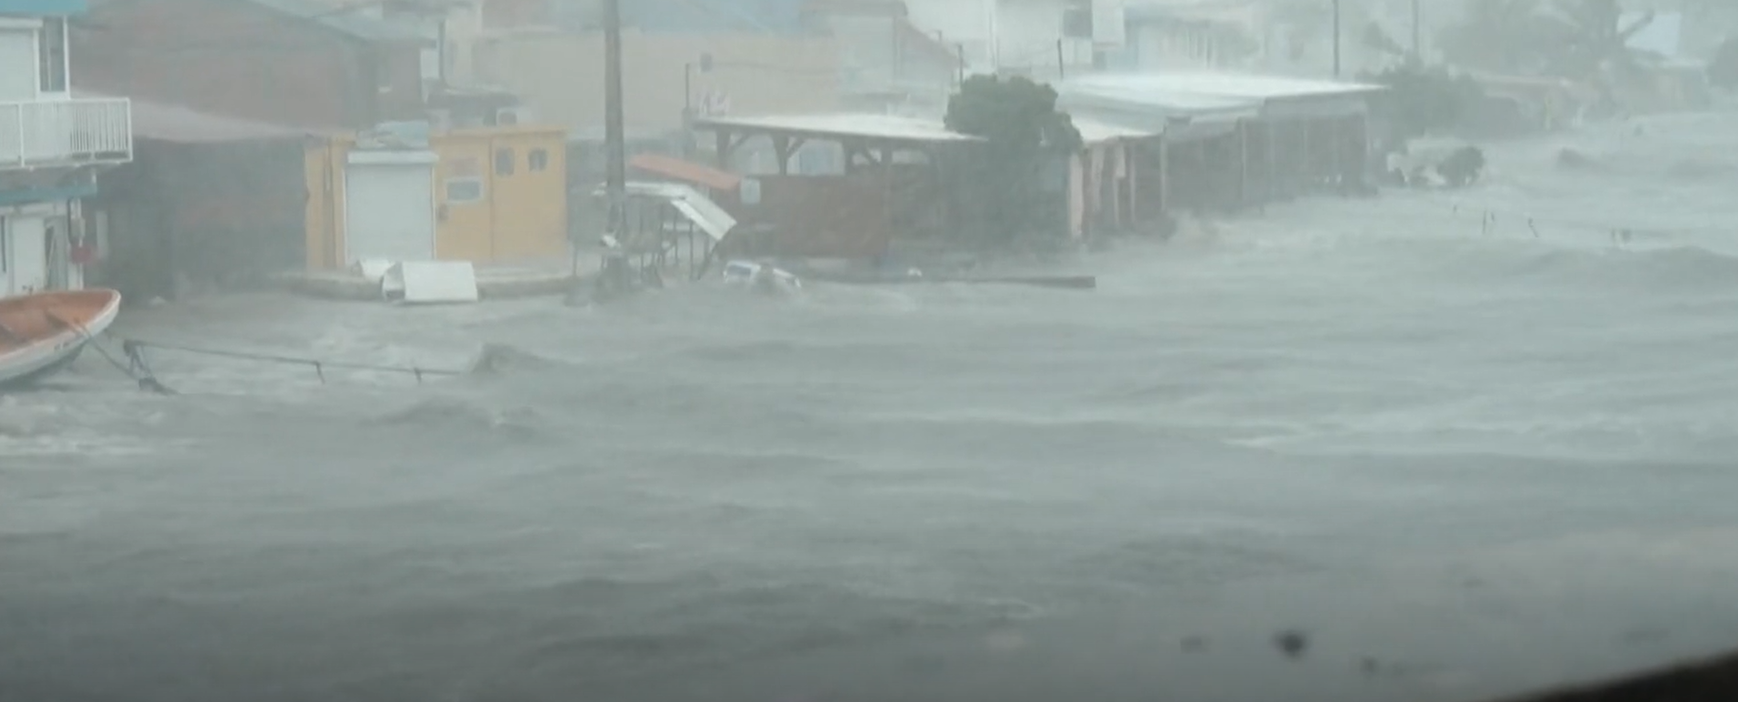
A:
(18, 55)
(389, 208)
(26, 255)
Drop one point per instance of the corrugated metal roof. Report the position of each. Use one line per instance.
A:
(1149, 99)
(1157, 9)
(348, 21)
(43, 8)
(1231, 86)
(1094, 131)
(693, 204)
(867, 126)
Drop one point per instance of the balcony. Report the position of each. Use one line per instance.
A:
(65, 133)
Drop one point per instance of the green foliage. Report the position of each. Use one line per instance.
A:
(1423, 100)
(1574, 39)
(1027, 136)
(1504, 36)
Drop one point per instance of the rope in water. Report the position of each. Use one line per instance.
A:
(135, 368)
(138, 369)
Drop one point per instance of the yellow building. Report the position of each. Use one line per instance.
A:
(485, 195)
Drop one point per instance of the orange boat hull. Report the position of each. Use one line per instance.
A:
(43, 333)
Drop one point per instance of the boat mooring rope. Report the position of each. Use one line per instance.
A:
(139, 369)
(134, 368)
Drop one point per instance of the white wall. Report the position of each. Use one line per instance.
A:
(26, 255)
(1029, 30)
(963, 22)
(1026, 32)
(32, 263)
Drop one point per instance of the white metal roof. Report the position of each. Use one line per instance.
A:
(1093, 131)
(1234, 86)
(1121, 94)
(692, 203)
(861, 125)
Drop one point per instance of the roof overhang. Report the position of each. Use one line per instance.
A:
(43, 8)
(867, 127)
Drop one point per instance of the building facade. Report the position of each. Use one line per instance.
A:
(485, 195)
(291, 62)
(887, 64)
(1041, 39)
(53, 142)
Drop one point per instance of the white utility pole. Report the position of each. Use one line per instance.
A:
(993, 23)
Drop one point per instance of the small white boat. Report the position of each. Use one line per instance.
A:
(42, 334)
(762, 277)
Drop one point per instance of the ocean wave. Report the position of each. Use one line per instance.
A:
(1671, 267)
(449, 414)
(496, 359)
(1647, 262)
(1700, 169)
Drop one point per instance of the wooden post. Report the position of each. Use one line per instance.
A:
(781, 148)
(1131, 181)
(1336, 38)
(1243, 163)
(1164, 176)
(615, 136)
(724, 145)
(1272, 161)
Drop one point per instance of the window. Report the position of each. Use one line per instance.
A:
(1077, 21)
(503, 162)
(538, 160)
(51, 56)
(464, 190)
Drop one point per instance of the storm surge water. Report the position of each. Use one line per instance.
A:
(1472, 456)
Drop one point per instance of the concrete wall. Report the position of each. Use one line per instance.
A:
(560, 75)
(236, 58)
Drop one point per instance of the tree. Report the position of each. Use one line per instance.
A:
(1598, 41)
(1423, 100)
(1574, 39)
(1027, 137)
(1504, 36)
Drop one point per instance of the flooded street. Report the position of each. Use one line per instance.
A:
(1463, 462)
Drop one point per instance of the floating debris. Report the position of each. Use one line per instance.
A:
(1292, 643)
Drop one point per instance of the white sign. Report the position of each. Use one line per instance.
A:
(714, 103)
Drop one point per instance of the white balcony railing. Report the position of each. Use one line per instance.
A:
(47, 133)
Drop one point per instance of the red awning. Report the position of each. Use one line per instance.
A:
(687, 172)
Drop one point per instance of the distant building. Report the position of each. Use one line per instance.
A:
(53, 143)
(298, 62)
(1042, 39)
(887, 63)
(1199, 35)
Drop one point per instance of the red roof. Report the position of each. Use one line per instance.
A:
(685, 171)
